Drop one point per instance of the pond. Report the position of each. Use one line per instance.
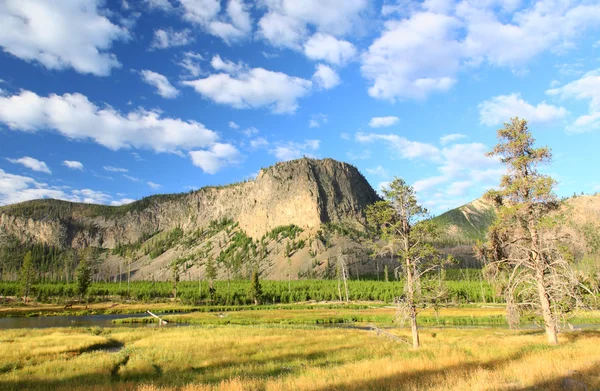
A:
(104, 320)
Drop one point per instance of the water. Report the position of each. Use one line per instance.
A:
(105, 320)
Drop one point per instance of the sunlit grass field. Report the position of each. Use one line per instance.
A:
(293, 357)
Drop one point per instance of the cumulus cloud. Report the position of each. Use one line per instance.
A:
(73, 164)
(464, 170)
(378, 171)
(75, 117)
(259, 142)
(61, 34)
(325, 77)
(215, 158)
(232, 25)
(295, 150)
(240, 87)
(18, 188)
(424, 45)
(164, 5)
(450, 138)
(325, 47)
(500, 108)
(233, 125)
(153, 185)
(413, 57)
(379, 122)
(191, 64)
(122, 201)
(287, 22)
(161, 83)
(168, 38)
(401, 145)
(585, 88)
(31, 163)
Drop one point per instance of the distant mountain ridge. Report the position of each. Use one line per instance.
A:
(304, 192)
(469, 222)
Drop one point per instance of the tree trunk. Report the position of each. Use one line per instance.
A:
(414, 328)
(549, 322)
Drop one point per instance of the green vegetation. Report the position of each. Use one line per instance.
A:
(235, 292)
(283, 231)
(471, 225)
(162, 242)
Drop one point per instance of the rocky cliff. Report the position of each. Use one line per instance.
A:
(304, 192)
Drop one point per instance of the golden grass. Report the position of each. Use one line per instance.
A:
(300, 358)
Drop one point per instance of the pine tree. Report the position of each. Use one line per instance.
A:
(255, 288)
(522, 243)
(401, 222)
(174, 278)
(27, 275)
(84, 277)
(211, 274)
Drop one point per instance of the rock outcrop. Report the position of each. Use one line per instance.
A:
(304, 192)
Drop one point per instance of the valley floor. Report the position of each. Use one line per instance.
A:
(267, 354)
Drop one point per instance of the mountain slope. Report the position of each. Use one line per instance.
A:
(467, 223)
(229, 223)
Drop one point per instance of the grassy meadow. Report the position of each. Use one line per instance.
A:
(293, 357)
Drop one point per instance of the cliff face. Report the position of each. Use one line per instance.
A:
(304, 192)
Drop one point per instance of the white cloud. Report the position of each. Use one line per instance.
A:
(379, 122)
(450, 138)
(217, 157)
(252, 88)
(249, 132)
(325, 77)
(428, 183)
(153, 185)
(17, 188)
(378, 171)
(501, 108)
(232, 25)
(122, 201)
(31, 163)
(402, 146)
(115, 169)
(161, 83)
(75, 117)
(163, 5)
(295, 150)
(164, 39)
(286, 22)
(132, 178)
(259, 142)
(325, 47)
(413, 57)
(227, 66)
(73, 164)
(61, 34)
(233, 125)
(317, 120)
(585, 88)
(190, 63)
(422, 51)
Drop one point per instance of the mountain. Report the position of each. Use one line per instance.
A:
(467, 223)
(284, 210)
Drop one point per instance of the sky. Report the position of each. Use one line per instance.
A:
(111, 101)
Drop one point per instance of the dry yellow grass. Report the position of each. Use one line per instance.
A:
(267, 358)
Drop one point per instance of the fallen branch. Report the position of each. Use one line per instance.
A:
(160, 321)
(379, 331)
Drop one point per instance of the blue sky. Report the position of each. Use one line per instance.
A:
(111, 101)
